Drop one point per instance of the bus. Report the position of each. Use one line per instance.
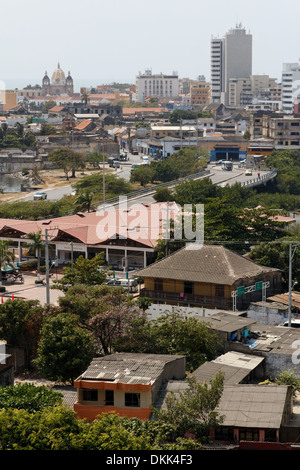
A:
(227, 165)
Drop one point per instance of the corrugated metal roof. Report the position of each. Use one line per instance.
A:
(236, 366)
(128, 368)
(253, 406)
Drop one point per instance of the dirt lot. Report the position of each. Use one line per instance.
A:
(51, 179)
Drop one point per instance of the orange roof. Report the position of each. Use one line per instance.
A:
(83, 124)
(143, 223)
(56, 109)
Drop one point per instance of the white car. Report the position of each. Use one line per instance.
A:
(40, 195)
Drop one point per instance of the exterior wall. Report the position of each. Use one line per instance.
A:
(267, 314)
(8, 98)
(90, 410)
(176, 286)
(290, 86)
(217, 69)
(200, 94)
(238, 56)
(161, 86)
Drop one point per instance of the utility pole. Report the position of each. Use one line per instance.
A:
(103, 178)
(47, 230)
(47, 267)
(292, 249)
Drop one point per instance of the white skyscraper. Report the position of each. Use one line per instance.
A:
(290, 86)
(231, 57)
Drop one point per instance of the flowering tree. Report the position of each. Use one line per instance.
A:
(109, 313)
(112, 321)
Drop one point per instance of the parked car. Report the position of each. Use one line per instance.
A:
(134, 152)
(133, 285)
(40, 195)
(248, 172)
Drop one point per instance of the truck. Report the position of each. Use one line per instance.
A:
(111, 161)
(227, 165)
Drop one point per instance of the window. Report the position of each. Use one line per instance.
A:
(132, 399)
(109, 397)
(219, 289)
(158, 284)
(249, 435)
(90, 395)
(188, 287)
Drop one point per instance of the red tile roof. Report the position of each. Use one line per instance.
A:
(83, 125)
(143, 223)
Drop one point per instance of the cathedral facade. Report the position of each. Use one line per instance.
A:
(59, 85)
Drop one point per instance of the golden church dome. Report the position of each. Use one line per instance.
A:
(58, 76)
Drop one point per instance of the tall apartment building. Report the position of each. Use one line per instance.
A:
(156, 85)
(231, 57)
(290, 86)
(246, 91)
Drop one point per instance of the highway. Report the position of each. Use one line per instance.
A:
(217, 176)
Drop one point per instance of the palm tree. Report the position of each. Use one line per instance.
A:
(6, 256)
(36, 245)
(85, 97)
(83, 202)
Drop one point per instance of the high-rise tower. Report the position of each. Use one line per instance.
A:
(231, 57)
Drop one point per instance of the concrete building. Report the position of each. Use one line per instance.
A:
(200, 93)
(125, 383)
(252, 90)
(156, 85)
(8, 99)
(283, 130)
(290, 86)
(231, 57)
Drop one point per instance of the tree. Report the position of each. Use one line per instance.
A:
(27, 396)
(36, 247)
(171, 333)
(177, 334)
(143, 174)
(48, 105)
(83, 271)
(20, 325)
(6, 257)
(194, 409)
(85, 97)
(163, 195)
(65, 349)
(83, 201)
(276, 255)
(107, 312)
(289, 377)
(67, 160)
(179, 114)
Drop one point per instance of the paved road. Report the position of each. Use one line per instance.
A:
(217, 176)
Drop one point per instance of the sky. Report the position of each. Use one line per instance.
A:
(113, 40)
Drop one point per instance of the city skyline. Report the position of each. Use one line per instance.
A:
(114, 42)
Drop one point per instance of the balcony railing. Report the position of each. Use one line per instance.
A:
(183, 298)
